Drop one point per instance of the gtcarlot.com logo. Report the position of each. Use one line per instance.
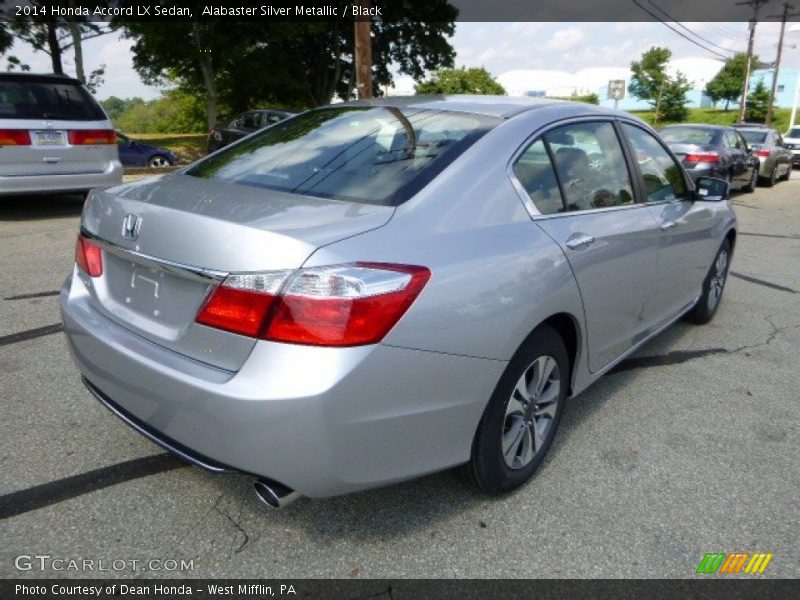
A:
(46, 562)
(734, 562)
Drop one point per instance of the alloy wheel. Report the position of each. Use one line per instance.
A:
(717, 283)
(530, 412)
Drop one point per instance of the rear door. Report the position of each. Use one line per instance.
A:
(610, 241)
(740, 160)
(685, 239)
(51, 126)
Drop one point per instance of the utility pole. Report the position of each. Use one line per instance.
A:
(756, 4)
(363, 51)
(783, 17)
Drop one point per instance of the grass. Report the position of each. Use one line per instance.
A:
(717, 116)
(188, 146)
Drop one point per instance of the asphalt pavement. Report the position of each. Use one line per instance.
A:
(688, 447)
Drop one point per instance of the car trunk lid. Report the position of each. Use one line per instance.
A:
(189, 233)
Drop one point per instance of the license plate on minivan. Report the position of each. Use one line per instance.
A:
(49, 138)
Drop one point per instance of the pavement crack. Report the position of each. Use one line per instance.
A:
(234, 522)
(776, 331)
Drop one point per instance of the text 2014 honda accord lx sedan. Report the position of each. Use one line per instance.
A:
(372, 291)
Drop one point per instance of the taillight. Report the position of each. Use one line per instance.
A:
(92, 137)
(704, 157)
(15, 137)
(343, 305)
(762, 153)
(88, 257)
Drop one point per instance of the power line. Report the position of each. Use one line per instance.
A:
(680, 33)
(684, 27)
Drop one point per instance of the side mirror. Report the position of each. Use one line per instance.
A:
(711, 189)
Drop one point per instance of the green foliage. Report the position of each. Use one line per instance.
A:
(476, 80)
(650, 74)
(585, 98)
(716, 116)
(236, 65)
(757, 102)
(727, 84)
(174, 112)
(673, 99)
(5, 38)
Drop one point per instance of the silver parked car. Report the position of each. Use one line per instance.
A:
(775, 159)
(54, 137)
(372, 291)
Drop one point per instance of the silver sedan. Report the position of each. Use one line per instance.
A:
(371, 291)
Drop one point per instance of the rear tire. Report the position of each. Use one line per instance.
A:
(788, 173)
(522, 416)
(751, 187)
(772, 179)
(713, 287)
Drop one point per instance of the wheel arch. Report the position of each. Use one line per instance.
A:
(567, 326)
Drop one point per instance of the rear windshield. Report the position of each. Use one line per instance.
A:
(372, 155)
(754, 137)
(45, 100)
(689, 135)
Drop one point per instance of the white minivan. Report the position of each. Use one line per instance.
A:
(54, 137)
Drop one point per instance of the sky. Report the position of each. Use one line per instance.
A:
(499, 47)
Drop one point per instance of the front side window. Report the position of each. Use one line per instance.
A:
(374, 155)
(590, 165)
(535, 172)
(662, 176)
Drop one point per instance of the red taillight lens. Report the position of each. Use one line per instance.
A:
(91, 137)
(15, 137)
(705, 157)
(343, 305)
(762, 153)
(238, 311)
(88, 257)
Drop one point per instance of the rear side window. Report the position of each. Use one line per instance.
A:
(45, 100)
(662, 176)
(373, 155)
(590, 165)
(535, 172)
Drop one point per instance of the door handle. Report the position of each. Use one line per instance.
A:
(579, 240)
(667, 225)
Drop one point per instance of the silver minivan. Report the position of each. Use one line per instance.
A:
(54, 137)
(371, 291)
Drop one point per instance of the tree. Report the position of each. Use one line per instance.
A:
(757, 101)
(728, 82)
(476, 80)
(673, 98)
(651, 82)
(236, 65)
(54, 37)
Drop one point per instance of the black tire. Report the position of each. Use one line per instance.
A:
(487, 466)
(705, 309)
(751, 187)
(788, 173)
(159, 161)
(773, 178)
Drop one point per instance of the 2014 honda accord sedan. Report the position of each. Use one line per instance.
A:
(371, 291)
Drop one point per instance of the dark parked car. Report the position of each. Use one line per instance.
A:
(133, 153)
(243, 125)
(774, 157)
(714, 151)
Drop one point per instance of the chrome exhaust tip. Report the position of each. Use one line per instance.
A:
(274, 494)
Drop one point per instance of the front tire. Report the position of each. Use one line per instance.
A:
(713, 286)
(521, 419)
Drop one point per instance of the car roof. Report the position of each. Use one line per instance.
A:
(41, 77)
(503, 107)
(698, 126)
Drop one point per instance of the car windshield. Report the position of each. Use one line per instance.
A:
(373, 155)
(754, 137)
(47, 100)
(688, 135)
(794, 133)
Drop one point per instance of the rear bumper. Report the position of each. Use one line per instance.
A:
(83, 182)
(322, 421)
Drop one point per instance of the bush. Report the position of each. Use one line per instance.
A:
(174, 112)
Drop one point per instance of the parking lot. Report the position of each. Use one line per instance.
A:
(688, 447)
